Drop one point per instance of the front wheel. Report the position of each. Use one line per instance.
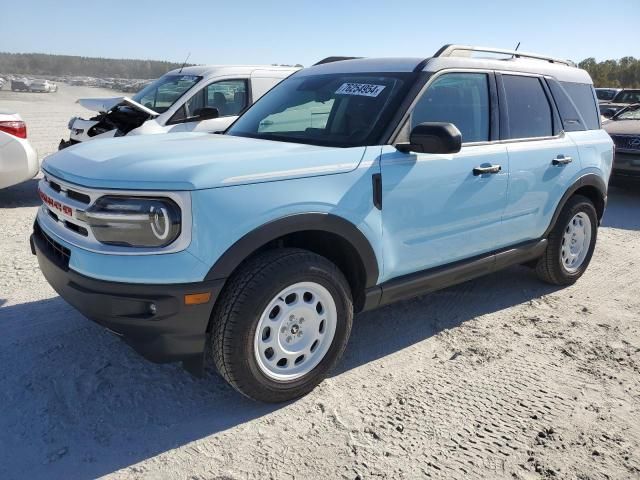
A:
(571, 243)
(281, 324)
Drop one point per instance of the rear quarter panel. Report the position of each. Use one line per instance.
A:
(596, 152)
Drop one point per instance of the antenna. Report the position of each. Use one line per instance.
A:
(517, 47)
(186, 59)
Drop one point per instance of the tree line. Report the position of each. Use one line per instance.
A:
(624, 72)
(58, 65)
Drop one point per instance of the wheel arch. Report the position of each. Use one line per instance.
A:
(326, 234)
(591, 186)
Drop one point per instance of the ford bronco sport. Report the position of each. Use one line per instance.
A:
(351, 185)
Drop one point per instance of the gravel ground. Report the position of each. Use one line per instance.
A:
(502, 377)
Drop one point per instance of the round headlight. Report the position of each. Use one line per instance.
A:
(134, 221)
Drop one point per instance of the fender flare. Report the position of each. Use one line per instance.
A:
(588, 180)
(325, 222)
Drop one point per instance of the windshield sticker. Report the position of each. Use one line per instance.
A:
(363, 89)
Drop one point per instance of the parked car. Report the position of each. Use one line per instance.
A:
(606, 94)
(18, 159)
(350, 185)
(200, 99)
(20, 85)
(622, 99)
(624, 128)
(2, 82)
(42, 86)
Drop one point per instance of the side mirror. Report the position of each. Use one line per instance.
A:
(433, 137)
(609, 112)
(206, 113)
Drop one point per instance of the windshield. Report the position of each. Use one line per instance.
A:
(605, 94)
(164, 92)
(628, 96)
(631, 113)
(340, 110)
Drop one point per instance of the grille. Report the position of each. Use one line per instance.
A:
(75, 195)
(54, 251)
(627, 142)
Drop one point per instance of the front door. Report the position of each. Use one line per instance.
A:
(435, 208)
(228, 97)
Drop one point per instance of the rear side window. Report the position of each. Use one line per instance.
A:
(527, 108)
(458, 98)
(572, 121)
(582, 96)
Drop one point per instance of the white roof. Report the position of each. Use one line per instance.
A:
(218, 70)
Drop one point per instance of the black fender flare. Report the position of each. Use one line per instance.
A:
(587, 180)
(325, 222)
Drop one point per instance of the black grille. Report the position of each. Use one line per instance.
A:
(627, 142)
(80, 197)
(54, 251)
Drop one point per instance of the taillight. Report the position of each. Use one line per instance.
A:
(14, 127)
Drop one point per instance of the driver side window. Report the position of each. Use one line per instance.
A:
(229, 97)
(458, 98)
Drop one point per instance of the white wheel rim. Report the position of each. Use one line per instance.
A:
(295, 331)
(576, 241)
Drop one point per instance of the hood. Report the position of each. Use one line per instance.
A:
(192, 161)
(103, 105)
(622, 127)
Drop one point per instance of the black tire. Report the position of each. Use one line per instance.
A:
(243, 300)
(550, 267)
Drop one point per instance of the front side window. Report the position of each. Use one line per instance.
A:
(229, 97)
(458, 98)
(527, 107)
(605, 94)
(341, 109)
(164, 92)
(627, 96)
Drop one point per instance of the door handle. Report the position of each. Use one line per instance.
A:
(561, 160)
(484, 169)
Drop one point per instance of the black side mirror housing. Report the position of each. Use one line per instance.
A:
(609, 112)
(433, 137)
(206, 113)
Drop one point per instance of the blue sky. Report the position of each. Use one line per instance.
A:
(302, 31)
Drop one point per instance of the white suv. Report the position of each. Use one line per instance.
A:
(191, 99)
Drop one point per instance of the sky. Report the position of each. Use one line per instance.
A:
(303, 31)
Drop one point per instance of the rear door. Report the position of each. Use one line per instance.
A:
(543, 160)
(435, 210)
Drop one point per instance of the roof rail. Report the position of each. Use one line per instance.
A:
(333, 59)
(450, 51)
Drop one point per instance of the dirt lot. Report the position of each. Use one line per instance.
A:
(503, 377)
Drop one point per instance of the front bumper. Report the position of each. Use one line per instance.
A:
(175, 332)
(626, 164)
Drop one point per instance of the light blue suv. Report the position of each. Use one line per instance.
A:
(352, 184)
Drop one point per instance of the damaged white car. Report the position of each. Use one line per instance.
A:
(190, 99)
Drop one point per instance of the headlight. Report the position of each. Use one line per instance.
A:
(134, 221)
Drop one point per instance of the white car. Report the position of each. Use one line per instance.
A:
(43, 86)
(18, 159)
(190, 99)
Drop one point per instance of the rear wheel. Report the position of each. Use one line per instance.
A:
(281, 324)
(571, 243)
